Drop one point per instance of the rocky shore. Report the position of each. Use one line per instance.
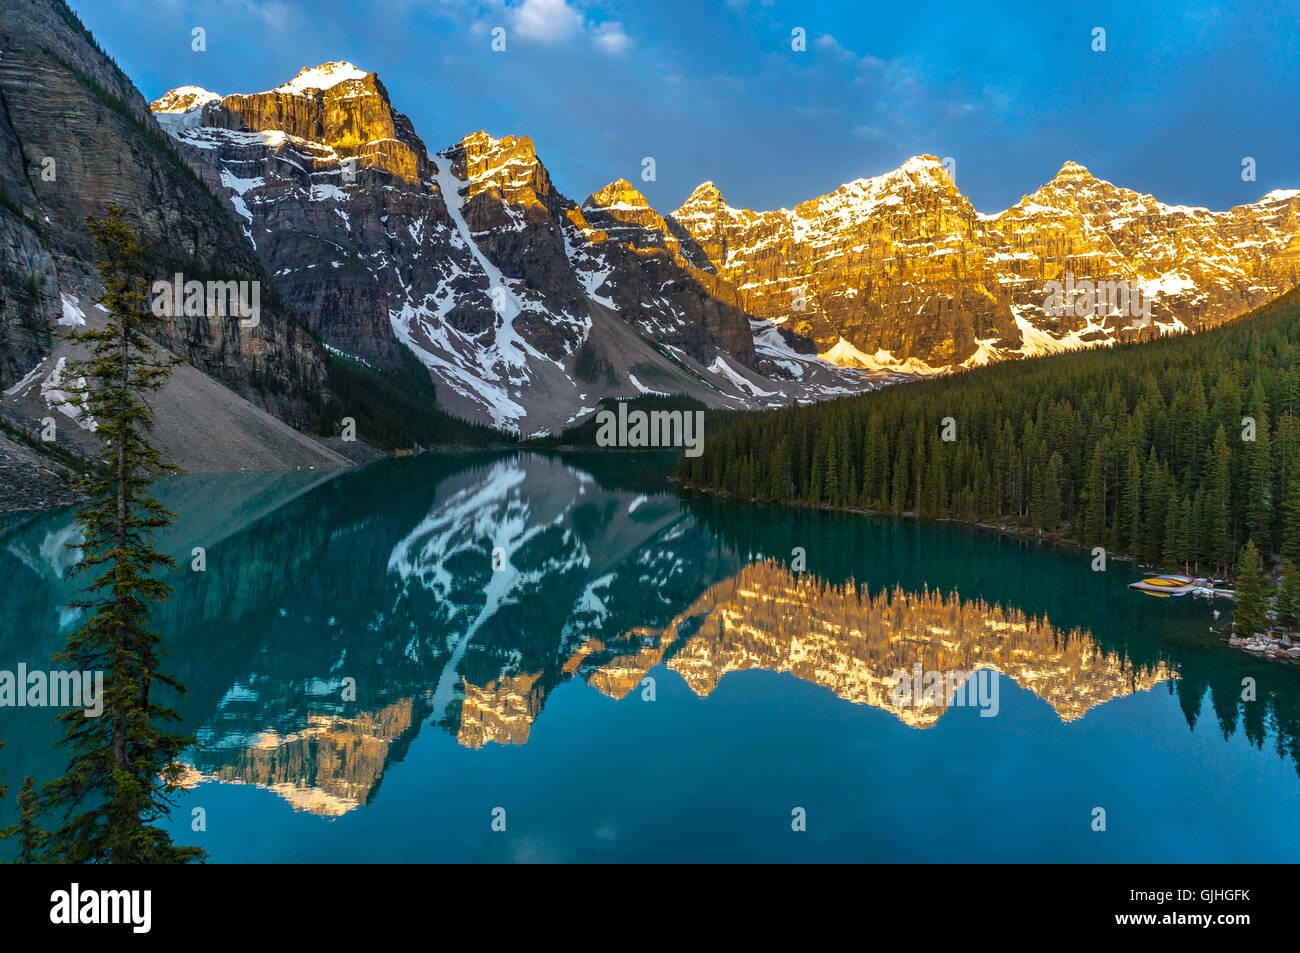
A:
(1282, 646)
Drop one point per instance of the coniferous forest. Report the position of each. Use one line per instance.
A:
(1176, 452)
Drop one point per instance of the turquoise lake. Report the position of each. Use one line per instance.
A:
(392, 663)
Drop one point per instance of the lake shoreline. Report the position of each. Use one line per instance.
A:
(1021, 532)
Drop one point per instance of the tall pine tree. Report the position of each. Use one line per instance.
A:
(121, 770)
(1291, 521)
(1216, 525)
(1250, 618)
(1288, 598)
(1259, 480)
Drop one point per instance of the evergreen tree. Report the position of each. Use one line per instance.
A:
(778, 472)
(845, 479)
(30, 837)
(815, 483)
(1153, 519)
(1291, 521)
(899, 484)
(1250, 616)
(121, 768)
(1198, 543)
(1287, 601)
(1187, 532)
(833, 473)
(1259, 484)
(1133, 502)
(922, 445)
(1094, 491)
(1216, 522)
(1174, 552)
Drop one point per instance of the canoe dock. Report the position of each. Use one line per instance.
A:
(1176, 585)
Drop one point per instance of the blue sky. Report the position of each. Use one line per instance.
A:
(1182, 93)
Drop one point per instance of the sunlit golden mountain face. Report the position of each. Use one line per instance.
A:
(763, 617)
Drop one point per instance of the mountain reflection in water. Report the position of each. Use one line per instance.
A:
(341, 614)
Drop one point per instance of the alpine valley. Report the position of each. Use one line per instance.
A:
(523, 520)
(518, 307)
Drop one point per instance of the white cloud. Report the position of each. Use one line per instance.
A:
(828, 42)
(546, 21)
(611, 38)
(550, 22)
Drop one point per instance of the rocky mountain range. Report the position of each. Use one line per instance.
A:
(528, 307)
(901, 268)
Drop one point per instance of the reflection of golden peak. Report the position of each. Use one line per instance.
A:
(847, 640)
(329, 767)
(501, 711)
(623, 673)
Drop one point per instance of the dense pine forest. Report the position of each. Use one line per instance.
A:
(1176, 452)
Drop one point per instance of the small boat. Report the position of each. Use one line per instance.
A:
(1169, 586)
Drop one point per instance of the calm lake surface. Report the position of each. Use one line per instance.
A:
(643, 677)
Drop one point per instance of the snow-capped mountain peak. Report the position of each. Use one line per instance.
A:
(323, 77)
(183, 99)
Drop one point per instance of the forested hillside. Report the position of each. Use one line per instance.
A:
(1175, 451)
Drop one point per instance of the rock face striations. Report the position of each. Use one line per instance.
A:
(885, 264)
(1200, 268)
(316, 169)
(75, 137)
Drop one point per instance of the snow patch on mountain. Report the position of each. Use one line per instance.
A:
(67, 398)
(844, 354)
